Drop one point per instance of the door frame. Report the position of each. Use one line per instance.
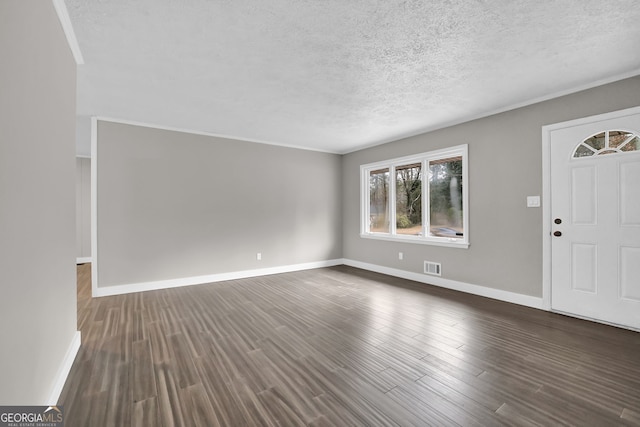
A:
(547, 189)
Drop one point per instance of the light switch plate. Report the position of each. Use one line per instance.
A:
(533, 201)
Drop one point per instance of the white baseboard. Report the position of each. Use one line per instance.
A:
(469, 288)
(498, 294)
(65, 368)
(83, 260)
(199, 280)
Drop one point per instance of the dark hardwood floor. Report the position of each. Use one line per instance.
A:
(342, 347)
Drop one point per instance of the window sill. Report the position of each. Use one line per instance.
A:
(451, 243)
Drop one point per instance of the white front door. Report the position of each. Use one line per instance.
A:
(595, 219)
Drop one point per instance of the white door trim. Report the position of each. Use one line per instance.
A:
(546, 190)
(94, 206)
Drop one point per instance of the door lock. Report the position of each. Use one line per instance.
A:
(557, 233)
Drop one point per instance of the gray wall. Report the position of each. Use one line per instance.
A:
(174, 205)
(83, 136)
(83, 207)
(504, 167)
(37, 200)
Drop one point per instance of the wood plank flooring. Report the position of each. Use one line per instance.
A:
(342, 347)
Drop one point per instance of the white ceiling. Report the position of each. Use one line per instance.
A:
(338, 75)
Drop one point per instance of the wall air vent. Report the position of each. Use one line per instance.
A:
(433, 268)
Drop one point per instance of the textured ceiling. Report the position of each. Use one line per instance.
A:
(338, 75)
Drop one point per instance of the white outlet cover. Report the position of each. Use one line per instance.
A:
(533, 201)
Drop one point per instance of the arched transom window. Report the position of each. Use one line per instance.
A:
(608, 142)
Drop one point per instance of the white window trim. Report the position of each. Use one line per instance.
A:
(424, 158)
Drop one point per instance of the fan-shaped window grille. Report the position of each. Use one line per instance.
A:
(608, 142)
